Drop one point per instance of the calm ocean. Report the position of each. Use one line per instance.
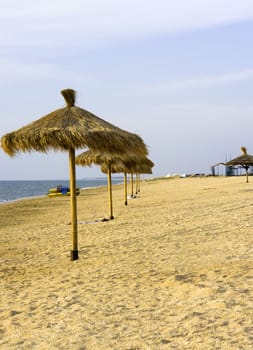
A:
(14, 190)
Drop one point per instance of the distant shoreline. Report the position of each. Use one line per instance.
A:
(14, 190)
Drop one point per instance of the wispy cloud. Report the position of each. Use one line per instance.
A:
(198, 83)
(94, 22)
(10, 70)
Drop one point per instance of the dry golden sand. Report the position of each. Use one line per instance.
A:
(174, 270)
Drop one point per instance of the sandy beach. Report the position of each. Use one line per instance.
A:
(173, 270)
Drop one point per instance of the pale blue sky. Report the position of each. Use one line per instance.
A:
(178, 73)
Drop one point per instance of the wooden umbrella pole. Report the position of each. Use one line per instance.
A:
(132, 184)
(125, 187)
(72, 169)
(139, 182)
(110, 191)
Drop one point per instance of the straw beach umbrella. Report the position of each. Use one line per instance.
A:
(117, 166)
(131, 165)
(90, 157)
(141, 169)
(67, 129)
(145, 167)
(245, 160)
(137, 165)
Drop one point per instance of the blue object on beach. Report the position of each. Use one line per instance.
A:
(64, 190)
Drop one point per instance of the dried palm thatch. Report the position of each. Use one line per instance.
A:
(139, 169)
(134, 163)
(143, 169)
(245, 160)
(90, 157)
(114, 164)
(117, 166)
(138, 165)
(131, 165)
(72, 127)
(67, 129)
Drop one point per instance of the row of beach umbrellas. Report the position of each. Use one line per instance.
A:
(71, 128)
(130, 164)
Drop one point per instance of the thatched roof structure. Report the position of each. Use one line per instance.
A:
(245, 160)
(109, 164)
(143, 169)
(112, 164)
(67, 129)
(144, 166)
(217, 164)
(90, 157)
(72, 127)
(107, 159)
(128, 166)
(117, 167)
(131, 166)
(138, 164)
(118, 164)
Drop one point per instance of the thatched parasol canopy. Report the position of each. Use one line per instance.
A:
(114, 164)
(245, 160)
(107, 159)
(72, 127)
(138, 164)
(69, 128)
(90, 157)
(131, 164)
(143, 169)
(117, 166)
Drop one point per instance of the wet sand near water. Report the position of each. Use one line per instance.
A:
(173, 270)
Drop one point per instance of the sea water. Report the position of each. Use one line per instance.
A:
(14, 190)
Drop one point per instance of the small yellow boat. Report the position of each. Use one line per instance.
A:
(61, 191)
